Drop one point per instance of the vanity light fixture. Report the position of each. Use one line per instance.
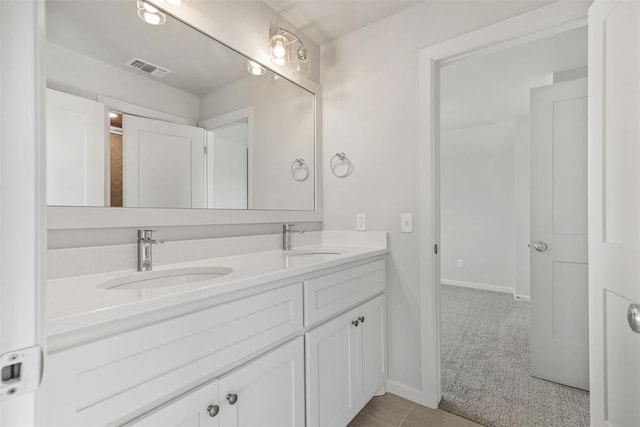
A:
(255, 69)
(150, 14)
(280, 46)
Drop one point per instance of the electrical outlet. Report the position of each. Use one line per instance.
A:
(406, 223)
(361, 222)
(460, 263)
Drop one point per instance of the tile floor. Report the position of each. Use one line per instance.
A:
(394, 411)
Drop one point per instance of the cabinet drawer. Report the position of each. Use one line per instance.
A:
(102, 382)
(329, 294)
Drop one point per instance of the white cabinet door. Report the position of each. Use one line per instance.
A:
(614, 211)
(163, 164)
(199, 408)
(76, 150)
(559, 285)
(266, 392)
(330, 350)
(371, 348)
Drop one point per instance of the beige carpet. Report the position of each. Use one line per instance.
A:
(485, 365)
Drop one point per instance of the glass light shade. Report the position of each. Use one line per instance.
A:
(150, 14)
(255, 69)
(279, 49)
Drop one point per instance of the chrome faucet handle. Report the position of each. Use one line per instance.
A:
(148, 235)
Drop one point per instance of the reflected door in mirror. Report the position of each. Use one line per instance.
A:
(164, 164)
(76, 132)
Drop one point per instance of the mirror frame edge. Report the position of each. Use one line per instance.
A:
(87, 217)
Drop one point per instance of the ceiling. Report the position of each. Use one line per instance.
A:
(494, 87)
(111, 32)
(326, 20)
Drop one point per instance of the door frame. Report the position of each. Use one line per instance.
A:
(22, 198)
(552, 19)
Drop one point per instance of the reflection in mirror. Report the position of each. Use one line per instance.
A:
(163, 116)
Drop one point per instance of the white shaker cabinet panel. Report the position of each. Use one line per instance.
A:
(329, 294)
(372, 347)
(346, 363)
(199, 408)
(330, 351)
(268, 392)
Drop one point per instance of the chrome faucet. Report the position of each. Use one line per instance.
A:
(145, 240)
(287, 230)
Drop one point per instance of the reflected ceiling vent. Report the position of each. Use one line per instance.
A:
(148, 67)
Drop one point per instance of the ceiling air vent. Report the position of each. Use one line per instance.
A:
(148, 67)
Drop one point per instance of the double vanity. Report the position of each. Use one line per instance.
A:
(269, 338)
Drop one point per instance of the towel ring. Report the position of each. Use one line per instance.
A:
(299, 164)
(341, 159)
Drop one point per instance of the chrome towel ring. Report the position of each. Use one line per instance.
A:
(337, 160)
(297, 166)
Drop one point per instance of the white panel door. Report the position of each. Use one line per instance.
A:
(614, 210)
(199, 408)
(371, 348)
(559, 269)
(268, 392)
(331, 366)
(163, 164)
(77, 132)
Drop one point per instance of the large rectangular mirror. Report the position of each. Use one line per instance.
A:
(163, 116)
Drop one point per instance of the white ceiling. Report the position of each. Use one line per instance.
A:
(111, 32)
(326, 20)
(494, 87)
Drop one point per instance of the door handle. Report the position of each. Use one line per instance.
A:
(633, 316)
(540, 246)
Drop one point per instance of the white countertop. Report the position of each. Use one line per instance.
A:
(78, 302)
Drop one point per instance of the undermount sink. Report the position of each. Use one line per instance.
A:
(165, 278)
(313, 251)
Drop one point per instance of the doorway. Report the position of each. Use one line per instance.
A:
(506, 115)
(546, 21)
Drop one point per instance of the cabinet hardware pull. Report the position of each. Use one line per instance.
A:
(213, 410)
(361, 319)
(355, 323)
(232, 398)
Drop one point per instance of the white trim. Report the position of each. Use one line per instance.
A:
(137, 110)
(476, 285)
(523, 298)
(23, 219)
(221, 121)
(409, 393)
(561, 16)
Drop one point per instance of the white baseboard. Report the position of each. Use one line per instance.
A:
(409, 393)
(524, 298)
(481, 286)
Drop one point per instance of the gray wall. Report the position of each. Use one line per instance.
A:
(370, 111)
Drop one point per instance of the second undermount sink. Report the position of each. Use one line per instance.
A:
(165, 278)
(314, 251)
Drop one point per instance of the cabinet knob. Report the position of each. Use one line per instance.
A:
(232, 398)
(361, 319)
(355, 323)
(213, 410)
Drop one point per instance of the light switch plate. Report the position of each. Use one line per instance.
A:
(406, 223)
(361, 222)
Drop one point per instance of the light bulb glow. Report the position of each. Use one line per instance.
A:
(255, 69)
(279, 49)
(151, 18)
(113, 115)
